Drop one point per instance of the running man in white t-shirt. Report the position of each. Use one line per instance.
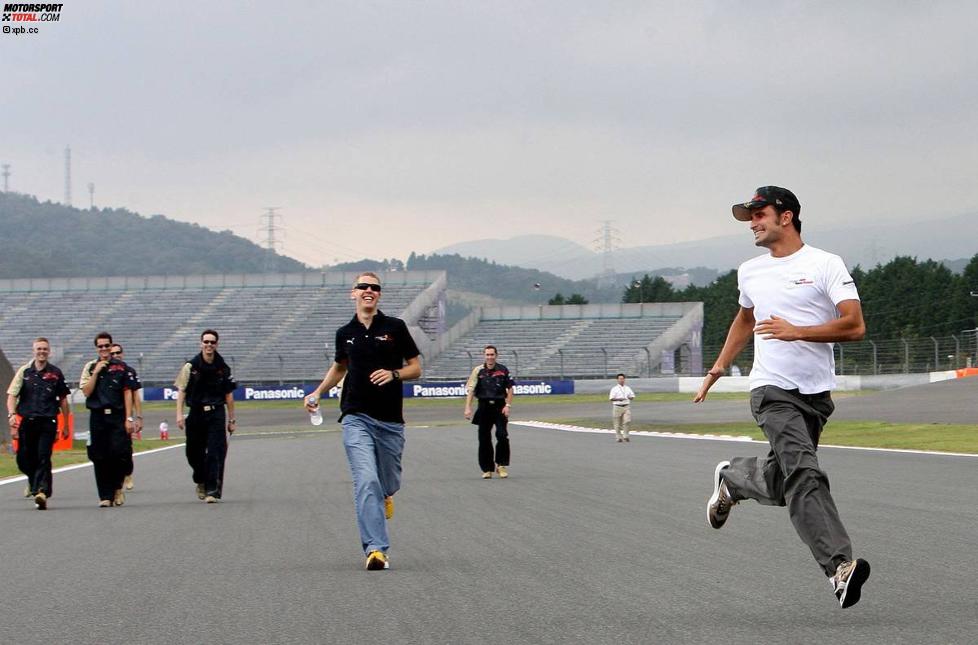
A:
(794, 302)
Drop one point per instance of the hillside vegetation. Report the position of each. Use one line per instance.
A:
(47, 240)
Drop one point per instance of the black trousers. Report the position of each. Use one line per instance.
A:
(489, 414)
(108, 449)
(129, 463)
(34, 447)
(207, 447)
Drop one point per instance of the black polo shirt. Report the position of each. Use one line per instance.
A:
(385, 346)
(110, 385)
(492, 383)
(40, 391)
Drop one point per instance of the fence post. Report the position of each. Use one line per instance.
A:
(605, 352)
(937, 363)
(875, 364)
(906, 356)
(281, 366)
(517, 357)
(842, 361)
(561, 353)
(648, 354)
(471, 366)
(957, 351)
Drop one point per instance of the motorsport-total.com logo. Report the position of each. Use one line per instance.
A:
(28, 13)
(13, 12)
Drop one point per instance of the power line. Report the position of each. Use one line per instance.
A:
(272, 243)
(606, 245)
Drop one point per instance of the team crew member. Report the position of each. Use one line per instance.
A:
(794, 302)
(108, 391)
(205, 385)
(493, 386)
(36, 394)
(375, 352)
(116, 352)
(621, 409)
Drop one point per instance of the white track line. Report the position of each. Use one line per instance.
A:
(64, 469)
(740, 439)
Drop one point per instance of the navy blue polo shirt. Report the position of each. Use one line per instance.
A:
(40, 391)
(385, 346)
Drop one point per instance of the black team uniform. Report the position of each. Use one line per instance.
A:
(109, 444)
(207, 444)
(490, 389)
(39, 395)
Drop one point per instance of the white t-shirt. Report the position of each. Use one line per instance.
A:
(621, 392)
(804, 289)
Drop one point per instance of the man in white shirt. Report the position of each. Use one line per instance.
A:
(621, 410)
(794, 302)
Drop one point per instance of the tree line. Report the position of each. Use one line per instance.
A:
(903, 299)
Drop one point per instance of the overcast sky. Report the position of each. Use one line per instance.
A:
(382, 128)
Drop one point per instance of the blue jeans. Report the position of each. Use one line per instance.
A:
(373, 449)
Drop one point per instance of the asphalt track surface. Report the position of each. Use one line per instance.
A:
(588, 541)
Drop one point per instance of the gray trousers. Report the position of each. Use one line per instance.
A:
(790, 475)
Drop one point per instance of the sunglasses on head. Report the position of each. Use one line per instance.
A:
(103, 346)
(367, 285)
(209, 342)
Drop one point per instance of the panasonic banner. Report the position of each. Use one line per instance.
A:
(420, 390)
(457, 389)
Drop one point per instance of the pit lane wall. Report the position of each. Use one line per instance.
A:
(691, 384)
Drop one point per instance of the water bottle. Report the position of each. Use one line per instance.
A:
(316, 416)
(164, 430)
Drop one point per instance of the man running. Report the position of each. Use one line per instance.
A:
(795, 302)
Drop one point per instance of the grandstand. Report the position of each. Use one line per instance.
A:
(275, 328)
(575, 341)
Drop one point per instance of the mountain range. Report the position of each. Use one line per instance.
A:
(867, 244)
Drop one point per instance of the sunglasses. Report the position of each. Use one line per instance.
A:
(115, 353)
(103, 346)
(365, 286)
(209, 342)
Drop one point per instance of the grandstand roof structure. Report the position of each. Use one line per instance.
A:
(273, 327)
(575, 341)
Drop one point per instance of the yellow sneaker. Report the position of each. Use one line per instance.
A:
(388, 507)
(27, 492)
(120, 498)
(487, 475)
(129, 483)
(105, 503)
(200, 491)
(377, 561)
(41, 501)
(503, 473)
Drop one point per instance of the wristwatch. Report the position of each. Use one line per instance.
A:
(396, 375)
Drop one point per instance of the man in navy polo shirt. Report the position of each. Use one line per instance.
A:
(34, 398)
(374, 352)
(105, 381)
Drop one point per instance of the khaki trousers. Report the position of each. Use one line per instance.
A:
(621, 416)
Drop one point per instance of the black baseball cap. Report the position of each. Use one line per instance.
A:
(773, 195)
